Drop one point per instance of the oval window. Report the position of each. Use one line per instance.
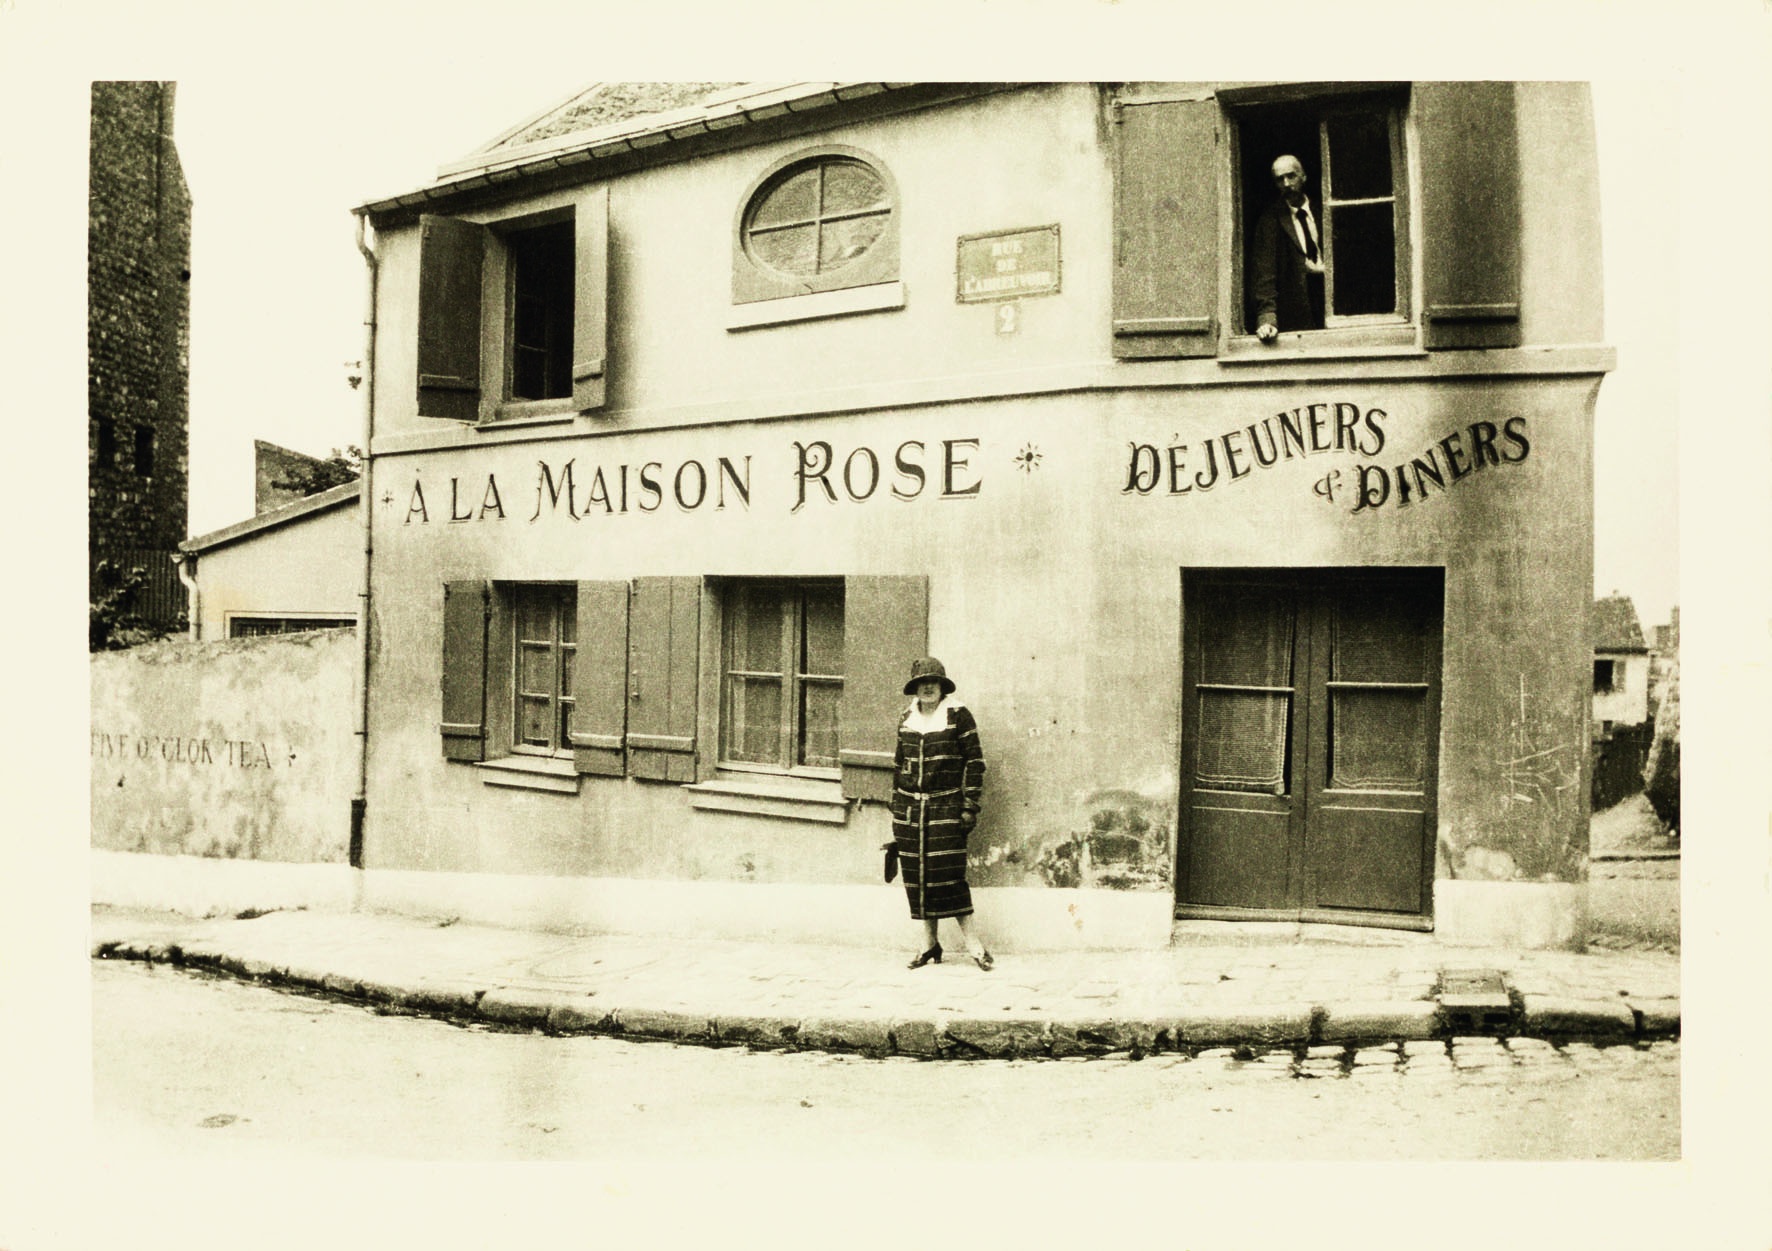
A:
(817, 217)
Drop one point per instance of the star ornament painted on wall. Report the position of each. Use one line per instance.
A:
(1028, 459)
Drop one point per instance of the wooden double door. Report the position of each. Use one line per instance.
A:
(1309, 745)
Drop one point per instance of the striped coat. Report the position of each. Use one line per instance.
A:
(937, 780)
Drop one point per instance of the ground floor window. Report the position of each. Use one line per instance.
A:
(242, 627)
(544, 646)
(782, 675)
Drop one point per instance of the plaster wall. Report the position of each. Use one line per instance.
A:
(311, 566)
(1055, 601)
(235, 750)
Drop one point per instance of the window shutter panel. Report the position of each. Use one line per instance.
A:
(885, 628)
(1470, 214)
(590, 316)
(1166, 229)
(450, 253)
(664, 658)
(600, 679)
(464, 670)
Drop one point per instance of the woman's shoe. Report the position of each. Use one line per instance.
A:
(932, 956)
(983, 960)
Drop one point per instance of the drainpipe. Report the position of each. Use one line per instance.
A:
(186, 564)
(366, 502)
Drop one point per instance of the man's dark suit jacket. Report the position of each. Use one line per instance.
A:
(1281, 289)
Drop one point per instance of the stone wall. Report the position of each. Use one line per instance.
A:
(138, 324)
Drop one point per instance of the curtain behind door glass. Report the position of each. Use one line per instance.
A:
(1246, 642)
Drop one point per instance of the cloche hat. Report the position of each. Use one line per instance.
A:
(926, 669)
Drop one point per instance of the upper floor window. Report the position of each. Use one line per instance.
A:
(818, 221)
(512, 315)
(1409, 235)
(539, 269)
(1324, 236)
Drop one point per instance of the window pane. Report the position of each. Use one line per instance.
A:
(754, 721)
(851, 187)
(818, 720)
(1248, 637)
(565, 739)
(568, 656)
(535, 616)
(794, 199)
(845, 240)
(537, 715)
(791, 251)
(1363, 251)
(824, 632)
(1359, 155)
(757, 625)
(1376, 740)
(1379, 639)
(535, 672)
(1242, 741)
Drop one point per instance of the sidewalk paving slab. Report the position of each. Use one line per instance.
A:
(1284, 995)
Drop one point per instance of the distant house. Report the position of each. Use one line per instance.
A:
(1621, 665)
(1664, 657)
(297, 567)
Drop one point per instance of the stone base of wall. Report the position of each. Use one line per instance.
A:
(1520, 915)
(1010, 919)
(203, 887)
(1523, 915)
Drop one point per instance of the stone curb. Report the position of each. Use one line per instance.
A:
(1262, 1027)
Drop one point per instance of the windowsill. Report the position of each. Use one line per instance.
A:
(531, 773)
(772, 795)
(873, 298)
(1351, 343)
(530, 413)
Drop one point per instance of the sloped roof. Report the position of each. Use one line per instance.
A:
(578, 132)
(1614, 626)
(604, 104)
(334, 497)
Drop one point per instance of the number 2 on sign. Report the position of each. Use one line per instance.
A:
(1008, 318)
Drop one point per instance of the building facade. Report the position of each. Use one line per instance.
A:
(138, 342)
(690, 432)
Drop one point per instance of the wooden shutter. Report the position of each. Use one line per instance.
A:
(885, 628)
(449, 259)
(600, 679)
(664, 657)
(1166, 229)
(590, 315)
(464, 670)
(1470, 214)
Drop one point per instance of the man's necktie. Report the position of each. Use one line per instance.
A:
(1304, 232)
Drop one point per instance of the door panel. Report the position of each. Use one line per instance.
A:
(1310, 727)
(1238, 858)
(1367, 858)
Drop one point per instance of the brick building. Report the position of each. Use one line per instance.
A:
(138, 340)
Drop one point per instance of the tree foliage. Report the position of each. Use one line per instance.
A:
(314, 476)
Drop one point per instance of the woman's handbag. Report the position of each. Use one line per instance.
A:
(891, 860)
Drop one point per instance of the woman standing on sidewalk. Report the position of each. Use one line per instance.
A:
(938, 778)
